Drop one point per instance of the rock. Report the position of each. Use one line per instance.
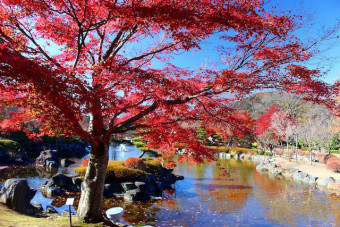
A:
(294, 170)
(113, 188)
(66, 162)
(16, 194)
(59, 184)
(300, 176)
(48, 158)
(66, 213)
(276, 171)
(77, 181)
(133, 195)
(37, 205)
(140, 185)
(51, 210)
(325, 182)
(179, 178)
(312, 180)
(61, 180)
(334, 186)
(127, 186)
(52, 191)
(167, 179)
(287, 174)
(261, 168)
(272, 165)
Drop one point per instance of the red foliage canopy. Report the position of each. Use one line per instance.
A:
(64, 60)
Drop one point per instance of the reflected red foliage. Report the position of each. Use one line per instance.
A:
(84, 163)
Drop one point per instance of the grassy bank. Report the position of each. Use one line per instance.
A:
(9, 217)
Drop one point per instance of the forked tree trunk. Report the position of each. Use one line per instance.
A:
(90, 204)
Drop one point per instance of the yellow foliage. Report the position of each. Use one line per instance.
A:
(116, 171)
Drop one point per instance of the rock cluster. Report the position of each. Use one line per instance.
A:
(60, 184)
(269, 166)
(151, 187)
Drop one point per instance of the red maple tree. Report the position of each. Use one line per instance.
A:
(62, 60)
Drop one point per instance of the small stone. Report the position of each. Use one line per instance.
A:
(133, 195)
(334, 186)
(66, 213)
(51, 210)
(127, 186)
(312, 180)
(294, 170)
(325, 182)
(179, 178)
(37, 205)
(77, 181)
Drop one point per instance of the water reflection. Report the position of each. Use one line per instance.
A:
(233, 193)
(220, 193)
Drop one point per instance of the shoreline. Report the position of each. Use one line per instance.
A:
(302, 171)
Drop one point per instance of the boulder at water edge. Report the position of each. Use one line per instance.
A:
(16, 194)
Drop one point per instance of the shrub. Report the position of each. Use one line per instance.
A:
(261, 152)
(134, 163)
(333, 164)
(319, 156)
(279, 152)
(236, 150)
(335, 151)
(9, 144)
(301, 153)
(325, 158)
(84, 163)
(170, 164)
(288, 154)
(116, 171)
(268, 153)
(153, 167)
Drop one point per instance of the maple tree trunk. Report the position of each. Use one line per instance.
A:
(90, 204)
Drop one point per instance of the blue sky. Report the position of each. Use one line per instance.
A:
(323, 13)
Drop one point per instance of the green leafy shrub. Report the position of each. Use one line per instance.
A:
(260, 152)
(335, 151)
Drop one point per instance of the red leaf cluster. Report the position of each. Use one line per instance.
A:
(134, 163)
(170, 164)
(84, 163)
(333, 164)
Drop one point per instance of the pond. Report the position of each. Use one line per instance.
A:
(223, 193)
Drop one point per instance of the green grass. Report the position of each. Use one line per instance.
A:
(10, 217)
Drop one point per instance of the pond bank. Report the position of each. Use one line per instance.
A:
(301, 171)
